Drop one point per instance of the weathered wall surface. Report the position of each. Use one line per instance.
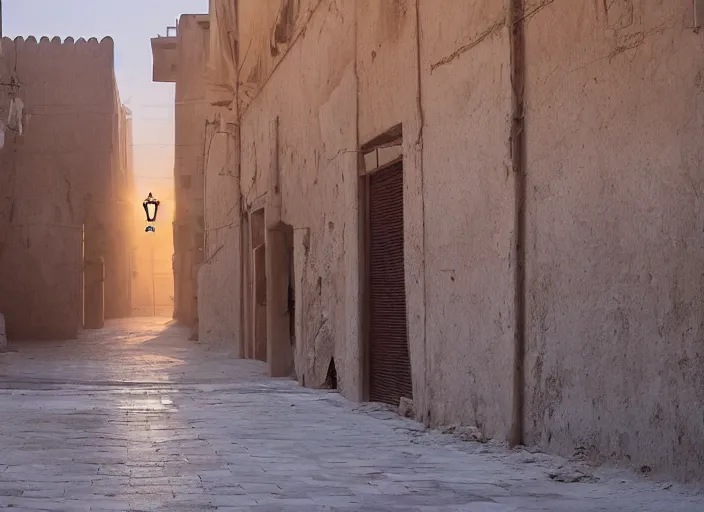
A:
(219, 276)
(389, 95)
(313, 90)
(56, 178)
(616, 232)
(118, 207)
(469, 207)
(267, 29)
(313, 94)
(191, 114)
(614, 219)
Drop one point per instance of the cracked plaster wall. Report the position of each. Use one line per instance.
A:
(469, 211)
(614, 307)
(615, 272)
(458, 196)
(219, 275)
(192, 111)
(312, 92)
(62, 173)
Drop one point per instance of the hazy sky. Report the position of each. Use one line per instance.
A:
(131, 23)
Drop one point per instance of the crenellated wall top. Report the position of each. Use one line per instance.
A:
(105, 44)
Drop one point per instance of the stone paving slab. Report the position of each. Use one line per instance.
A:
(136, 417)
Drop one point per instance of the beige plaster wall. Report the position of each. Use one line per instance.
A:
(267, 29)
(357, 62)
(614, 217)
(616, 231)
(220, 275)
(119, 207)
(56, 178)
(191, 114)
(313, 94)
(469, 212)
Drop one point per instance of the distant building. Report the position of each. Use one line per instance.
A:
(65, 189)
(182, 59)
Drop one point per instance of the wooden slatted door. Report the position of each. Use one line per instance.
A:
(389, 358)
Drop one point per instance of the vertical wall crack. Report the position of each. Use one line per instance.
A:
(425, 413)
(516, 23)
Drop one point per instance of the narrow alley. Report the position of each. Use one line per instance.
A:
(136, 417)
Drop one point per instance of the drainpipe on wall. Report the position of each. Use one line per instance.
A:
(243, 209)
(3, 335)
(516, 25)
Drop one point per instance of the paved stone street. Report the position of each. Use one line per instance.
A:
(135, 417)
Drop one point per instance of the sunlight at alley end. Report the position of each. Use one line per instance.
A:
(352, 255)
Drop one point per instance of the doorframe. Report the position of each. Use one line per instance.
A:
(364, 284)
(382, 152)
(247, 294)
(257, 210)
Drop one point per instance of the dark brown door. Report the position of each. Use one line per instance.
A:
(260, 348)
(389, 358)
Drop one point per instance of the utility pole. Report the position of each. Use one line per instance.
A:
(153, 277)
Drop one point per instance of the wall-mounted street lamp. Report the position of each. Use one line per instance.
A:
(151, 209)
